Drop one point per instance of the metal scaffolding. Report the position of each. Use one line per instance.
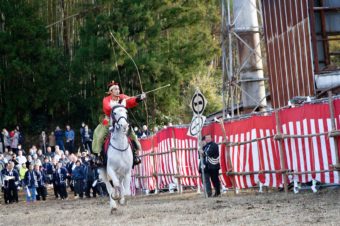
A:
(243, 76)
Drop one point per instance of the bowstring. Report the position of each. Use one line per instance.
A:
(120, 81)
(139, 77)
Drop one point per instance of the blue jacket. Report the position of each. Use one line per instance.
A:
(78, 173)
(90, 172)
(40, 178)
(69, 135)
(59, 135)
(48, 168)
(59, 176)
(11, 183)
(30, 179)
(69, 167)
(211, 156)
(85, 138)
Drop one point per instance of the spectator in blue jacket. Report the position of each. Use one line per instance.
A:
(11, 182)
(69, 167)
(69, 135)
(90, 174)
(78, 176)
(41, 189)
(47, 170)
(31, 184)
(59, 177)
(59, 138)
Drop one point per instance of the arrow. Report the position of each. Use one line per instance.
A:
(150, 91)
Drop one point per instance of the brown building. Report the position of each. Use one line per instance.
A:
(301, 41)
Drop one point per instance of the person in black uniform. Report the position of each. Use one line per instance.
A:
(41, 179)
(11, 182)
(59, 177)
(78, 177)
(90, 175)
(211, 161)
(3, 182)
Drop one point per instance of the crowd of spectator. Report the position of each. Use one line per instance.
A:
(58, 170)
(142, 133)
(54, 164)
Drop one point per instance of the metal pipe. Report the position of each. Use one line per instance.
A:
(248, 39)
(327, 81)
(230, 51)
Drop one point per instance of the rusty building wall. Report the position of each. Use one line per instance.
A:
(289, 54)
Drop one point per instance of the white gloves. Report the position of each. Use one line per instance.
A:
(142, 96)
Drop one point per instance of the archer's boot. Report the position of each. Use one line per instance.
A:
(136, 159)
(98, 160)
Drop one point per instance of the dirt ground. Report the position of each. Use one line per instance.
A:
(190, 208)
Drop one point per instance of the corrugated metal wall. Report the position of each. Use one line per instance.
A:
(288, 42)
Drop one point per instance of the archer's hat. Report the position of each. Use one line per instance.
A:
(111, 84)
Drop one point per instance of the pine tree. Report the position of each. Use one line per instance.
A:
(170, 41)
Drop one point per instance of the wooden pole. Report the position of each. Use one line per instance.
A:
(184, 149)
(179, 182)
(256, 172)
(154, 164)
(221, 122)
(282, 155)
(331, 110)
(202, 164)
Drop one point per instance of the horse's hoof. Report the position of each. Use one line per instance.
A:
(123, 202)
(113, 210)
(115, 197)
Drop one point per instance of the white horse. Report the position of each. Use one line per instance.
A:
(119, 158)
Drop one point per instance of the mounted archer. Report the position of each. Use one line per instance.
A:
(101, 132)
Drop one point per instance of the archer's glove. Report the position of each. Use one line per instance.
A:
(141, 97)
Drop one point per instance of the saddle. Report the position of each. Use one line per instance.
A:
(133, 146)
(104, 150)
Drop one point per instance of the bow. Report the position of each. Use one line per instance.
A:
(139, 77)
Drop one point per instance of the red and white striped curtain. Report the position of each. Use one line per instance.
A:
(300, 154)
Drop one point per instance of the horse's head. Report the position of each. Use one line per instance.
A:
(119, 117)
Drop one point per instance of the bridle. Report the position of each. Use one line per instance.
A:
(115, 124)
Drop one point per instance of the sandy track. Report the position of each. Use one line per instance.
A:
(271, 208)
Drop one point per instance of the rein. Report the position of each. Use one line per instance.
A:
(114, 122)
(119, 149)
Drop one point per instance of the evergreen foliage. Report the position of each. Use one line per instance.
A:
(43, 83)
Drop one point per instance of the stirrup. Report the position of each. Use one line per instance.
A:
(98, 161)
(136, 160)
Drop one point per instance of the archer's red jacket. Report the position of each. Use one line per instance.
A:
(131, 102)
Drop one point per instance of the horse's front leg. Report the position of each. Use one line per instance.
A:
(125, 188)
(116, 191)
(113, 204)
